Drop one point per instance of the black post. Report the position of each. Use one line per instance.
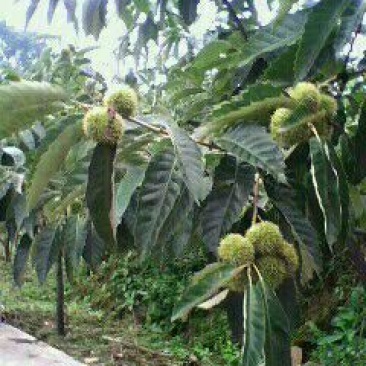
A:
(60, 301)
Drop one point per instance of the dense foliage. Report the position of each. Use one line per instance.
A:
(261, 124)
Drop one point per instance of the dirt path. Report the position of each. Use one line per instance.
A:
(19, 348)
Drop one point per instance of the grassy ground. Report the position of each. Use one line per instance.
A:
(95, 337)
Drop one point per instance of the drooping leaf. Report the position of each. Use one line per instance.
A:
(74, 236)
(12, 156)
(188, 10)
(214, 301)
(94, 249)
(203, 285)
(100, 196)
(343, 190)
(21, 103)
(94, 16)
(210, 55)
(52, 5)
(305, 235)
(283, 8)
(321, 21)
(157, 195)
(360, 146)
(350, 19)
(70, 6)
(21, 259)
(51, 162)
(46, 247)
(232, 186)
(273, 37)
(17, 209)
(30, 11)
(190, 159)
(177, 228)
(254, 145)
(278, 341)
(281, 69)
(325, 182)
(254, 317)
(126, 187)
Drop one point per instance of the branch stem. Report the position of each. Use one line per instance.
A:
(235, 18)
(255, 197)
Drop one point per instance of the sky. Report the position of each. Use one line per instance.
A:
(103, 60)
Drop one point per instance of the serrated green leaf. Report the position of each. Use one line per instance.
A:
(321, 22)
(360, 146)
(232, 185)
(94, 17)
(284, 7)
(343, 191)
(74, 236)
(210, 55)
(70, 6)
(30, 11)
(278, 333)
(190, 158)
(50, 163)
(100, 196)
(46, 247)
(177, 229)
(188, 10)
(305, 235)
(94, 249)
(281, 69)
(350, 19)
(203, 285)
(273, 37)
(52, 5)
(254, 316)
(126, 187)
(254, 145)
(156, 198)
(325, 182)
(21, 103)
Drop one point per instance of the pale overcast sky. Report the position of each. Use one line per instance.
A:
(103, 59)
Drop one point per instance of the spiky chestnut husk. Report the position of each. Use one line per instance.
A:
(273, 270)
(124, 102)
(302, 132)
(235, 249)
(307, 94)
(329, 104)
(265, 237)
(103, 126)
(290, 257)
(278, 120)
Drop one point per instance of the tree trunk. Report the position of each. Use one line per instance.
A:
(60, 306)
(7, 250)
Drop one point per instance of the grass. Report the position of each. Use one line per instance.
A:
(98, 337)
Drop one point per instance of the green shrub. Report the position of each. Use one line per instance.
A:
(345, 344)
(148, 290)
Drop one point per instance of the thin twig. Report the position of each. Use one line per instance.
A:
(136, 346)
(236, 19)
(255, 198)
(160, 130)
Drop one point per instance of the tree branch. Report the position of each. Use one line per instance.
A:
(235, 18)
(255, 197)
